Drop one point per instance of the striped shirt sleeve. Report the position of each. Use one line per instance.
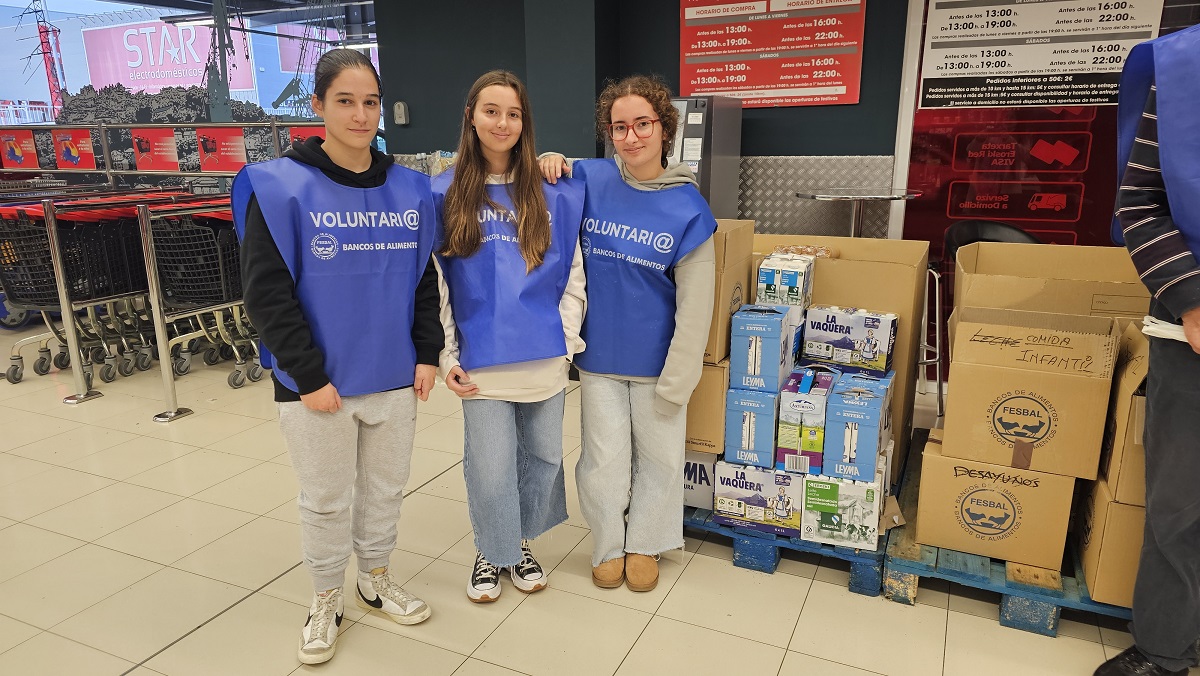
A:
(1160, 253)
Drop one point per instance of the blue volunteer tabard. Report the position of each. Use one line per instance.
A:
(632, 239)
(1172, 62)
(503, 315)
(356, 256)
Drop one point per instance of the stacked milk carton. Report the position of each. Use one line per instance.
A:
(749, 491)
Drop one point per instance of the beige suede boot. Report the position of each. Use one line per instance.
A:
(609, 574)
(641, 572)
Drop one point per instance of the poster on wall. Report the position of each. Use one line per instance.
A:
(221, 148)
(150, 55)
(301, 133)
(155, 150)
(992, 53)
(19, 150)
(772, 52)
(73, 149)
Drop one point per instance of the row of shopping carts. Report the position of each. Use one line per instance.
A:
(122, 278)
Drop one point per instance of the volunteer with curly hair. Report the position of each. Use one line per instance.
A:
(650, 265)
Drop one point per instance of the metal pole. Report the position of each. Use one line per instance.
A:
(83, 391)
(103, 131)
(275, 138)
(856, 218)
(159, 317)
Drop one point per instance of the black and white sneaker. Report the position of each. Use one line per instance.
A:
(484, 585)
(318, 639)
(380, 592)
(528, 575)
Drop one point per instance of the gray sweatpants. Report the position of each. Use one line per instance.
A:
(352, 467)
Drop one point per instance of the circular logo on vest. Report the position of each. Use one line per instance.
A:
(989, 512)
(1022, 417)
(664, 242)
(586, 245)
(412, 219)
(324, 246)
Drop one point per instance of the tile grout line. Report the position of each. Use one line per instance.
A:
(206, 622)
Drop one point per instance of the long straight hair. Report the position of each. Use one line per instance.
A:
(467, 192)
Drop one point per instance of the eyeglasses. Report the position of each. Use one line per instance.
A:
(641, 129)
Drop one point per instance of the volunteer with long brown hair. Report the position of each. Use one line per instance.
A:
(512, 304)
(648, 255)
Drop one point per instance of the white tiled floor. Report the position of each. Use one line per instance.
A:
(128, 546)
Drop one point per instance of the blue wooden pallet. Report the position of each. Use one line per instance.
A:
(1031, 598)
(761, 551)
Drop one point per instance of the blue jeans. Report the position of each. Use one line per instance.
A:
(631, 462)
(513, 464)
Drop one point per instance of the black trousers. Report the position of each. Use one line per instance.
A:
(1166, 599)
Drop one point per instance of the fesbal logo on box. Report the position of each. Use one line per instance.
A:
(989, 513)
(1022, 415)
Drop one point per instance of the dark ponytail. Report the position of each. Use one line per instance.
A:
(333, 62)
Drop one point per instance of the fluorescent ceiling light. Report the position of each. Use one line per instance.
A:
(197, 22)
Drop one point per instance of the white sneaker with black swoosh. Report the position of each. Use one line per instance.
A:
(380, 592)
(318, 639)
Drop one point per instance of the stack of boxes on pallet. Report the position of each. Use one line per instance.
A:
(1037, 358)
(808, 414)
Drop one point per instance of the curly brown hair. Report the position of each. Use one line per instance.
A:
(657, 94)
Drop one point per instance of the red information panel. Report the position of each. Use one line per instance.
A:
(772, 52)
(221, 148)
(301, 133)
(1023, 151)
(1015, 200)
(19, 151)
(155, 150)
(73, 149)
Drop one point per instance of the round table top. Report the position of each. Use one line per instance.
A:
(863, 194)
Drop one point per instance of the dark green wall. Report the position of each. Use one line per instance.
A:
(565, 50)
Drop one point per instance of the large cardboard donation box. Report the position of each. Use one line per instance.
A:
(883, 275)
(1030, 389)
(1077, 280)
(1124, 457)
(1001, 512)
(1111, 542)
(734, 247)
(706, 411)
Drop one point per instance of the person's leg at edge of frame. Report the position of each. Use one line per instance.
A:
(1166, 601)
(387, 423)
(603, 474)
(490, 469)
(323, 448)
(656, 500)
(540, 481)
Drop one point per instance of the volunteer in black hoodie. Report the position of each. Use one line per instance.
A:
(340, 283)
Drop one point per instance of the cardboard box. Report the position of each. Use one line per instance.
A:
(698, 477)
(1123, 458)
(762, 346)
(706, 411)
(757, 498)
(850, 339)
(734, 247)
(844, 513)
(1030, 389)
(857, 426)
(1110, 536)
(1002, 512)
(800, 442)
(750, 420)
(1078, 280)
(886, 275)
(785, 279)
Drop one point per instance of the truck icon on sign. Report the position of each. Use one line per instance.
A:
(1048, 200)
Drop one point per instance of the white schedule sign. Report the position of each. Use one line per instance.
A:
(989, 53)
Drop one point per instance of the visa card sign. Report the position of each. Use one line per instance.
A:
(150, 55)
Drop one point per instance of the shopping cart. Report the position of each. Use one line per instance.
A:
(193, 263)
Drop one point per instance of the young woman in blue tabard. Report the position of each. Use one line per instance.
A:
(512, 304)
(650, 266)
(350, 315)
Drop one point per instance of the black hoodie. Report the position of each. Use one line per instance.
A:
(270, 293)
